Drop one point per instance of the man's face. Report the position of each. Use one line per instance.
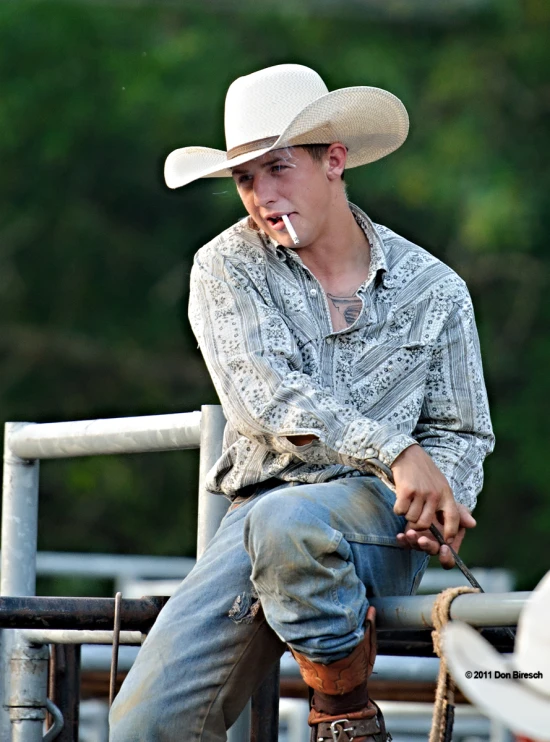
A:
(286, 181)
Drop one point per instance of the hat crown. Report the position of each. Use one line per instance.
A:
(262, 104)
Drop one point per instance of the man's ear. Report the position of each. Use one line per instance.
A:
(337, 154)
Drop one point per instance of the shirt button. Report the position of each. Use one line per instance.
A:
(329, 341)
(338, 444)
(313, 292)
(370, 452)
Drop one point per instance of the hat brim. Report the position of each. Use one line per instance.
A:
(509, 701)
(371, 122)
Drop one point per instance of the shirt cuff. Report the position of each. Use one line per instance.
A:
(354, 446)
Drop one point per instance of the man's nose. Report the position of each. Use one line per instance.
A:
(264, 190)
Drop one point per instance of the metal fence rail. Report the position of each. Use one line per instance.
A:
(23, 692)
(34, 622)
(110, 436)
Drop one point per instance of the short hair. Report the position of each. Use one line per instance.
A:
(316, 152)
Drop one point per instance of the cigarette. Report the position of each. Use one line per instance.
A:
(290, 229)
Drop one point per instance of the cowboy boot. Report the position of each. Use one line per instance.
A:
(341, 710)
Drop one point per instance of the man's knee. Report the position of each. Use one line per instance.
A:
(274, 520)
(288, 523)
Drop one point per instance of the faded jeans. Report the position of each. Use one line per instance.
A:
(314, 554)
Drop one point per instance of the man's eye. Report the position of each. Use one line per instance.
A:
(242, 179)
(278, 168)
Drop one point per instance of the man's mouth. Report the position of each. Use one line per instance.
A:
(276, 222)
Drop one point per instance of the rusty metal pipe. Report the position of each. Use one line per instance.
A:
(78, 613)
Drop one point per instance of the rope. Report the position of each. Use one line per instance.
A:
(443, 716)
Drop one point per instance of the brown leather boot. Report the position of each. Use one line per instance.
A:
(341, 710)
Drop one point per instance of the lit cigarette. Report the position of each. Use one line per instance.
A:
(290, 229)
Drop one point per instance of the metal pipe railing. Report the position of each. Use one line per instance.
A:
(110, 436)
(477, 609)
(81, 636)
(78, 613)
(139, 614)
(18, 577)
(24, 445)
(113, 566)
(212, 507)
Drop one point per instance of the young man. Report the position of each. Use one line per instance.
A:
(344, 356)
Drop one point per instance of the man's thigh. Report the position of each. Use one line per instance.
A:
(360, 509)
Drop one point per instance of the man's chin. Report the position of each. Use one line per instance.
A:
(282, 238)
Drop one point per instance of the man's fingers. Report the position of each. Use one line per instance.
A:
(402, 541)
(421, 541)
(402, 504)
(446, 559)
(414, 510)
(427, 544)
(451, 521)
(426, 517)
(417, 508)
(425, 541)
(466, 518)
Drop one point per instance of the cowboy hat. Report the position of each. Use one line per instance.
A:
(288, 105)
(513, 690)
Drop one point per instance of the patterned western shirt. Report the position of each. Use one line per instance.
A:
(408, 370)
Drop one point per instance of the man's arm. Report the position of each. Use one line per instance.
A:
(454, 427)
(439, 481)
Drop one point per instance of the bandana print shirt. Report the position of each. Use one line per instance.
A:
(408, 370)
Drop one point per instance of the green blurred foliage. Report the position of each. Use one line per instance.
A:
(95, 252)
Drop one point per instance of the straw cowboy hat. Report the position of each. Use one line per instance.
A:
(287, 105)
(521, 704)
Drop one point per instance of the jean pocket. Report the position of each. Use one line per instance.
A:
(366, 515)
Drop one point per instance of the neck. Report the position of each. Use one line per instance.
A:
(341, 250)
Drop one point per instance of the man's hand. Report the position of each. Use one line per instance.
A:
(425, 541)
(423, 493)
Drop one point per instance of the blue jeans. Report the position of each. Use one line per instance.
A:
(312, 555)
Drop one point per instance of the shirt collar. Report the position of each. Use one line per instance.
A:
(378, 262)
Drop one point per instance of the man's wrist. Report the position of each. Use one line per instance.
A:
(400, 456)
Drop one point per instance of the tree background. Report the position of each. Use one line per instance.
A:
(95, 251)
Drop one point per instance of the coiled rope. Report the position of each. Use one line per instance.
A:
(444, 706)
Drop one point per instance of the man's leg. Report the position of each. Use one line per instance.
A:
(204, 656)
(313, 547)
(318, 553)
